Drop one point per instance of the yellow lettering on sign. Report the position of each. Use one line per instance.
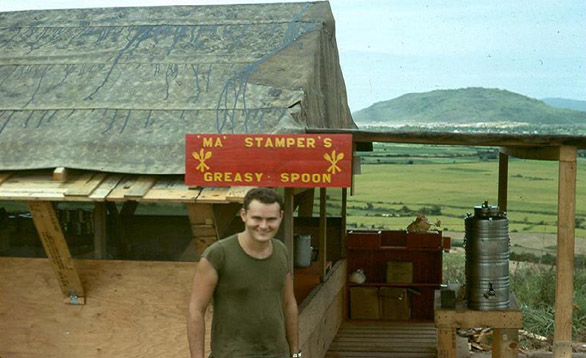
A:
(315, 178)
(232, 177)
(282, 142)
(327, 142)
(210, 142)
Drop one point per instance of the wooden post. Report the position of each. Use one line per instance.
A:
(288, 225)
(344, 213)
(224, 215)
(564, 292)
(505, 343)
(201, 218)
(49, 230)
(305, 202)
(446, 342)
(100, 236)
(503, 180)
(322, 234)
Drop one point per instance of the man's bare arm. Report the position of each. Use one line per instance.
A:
(204, 284)
(291, 315)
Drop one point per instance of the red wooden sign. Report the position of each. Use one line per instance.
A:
(273, 160)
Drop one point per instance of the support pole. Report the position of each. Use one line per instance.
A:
(344, 213)
(446, 342)
(322, 234)
(564, 292)
(288, 225)
(503, 180)
(49, 230)
(505, 343)
(100, 237)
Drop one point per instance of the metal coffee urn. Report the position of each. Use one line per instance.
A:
(487, 258)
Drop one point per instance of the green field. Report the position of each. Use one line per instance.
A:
(399, 181)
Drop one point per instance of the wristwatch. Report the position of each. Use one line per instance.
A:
(297, 355)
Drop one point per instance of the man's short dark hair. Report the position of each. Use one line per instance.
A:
(263, 195)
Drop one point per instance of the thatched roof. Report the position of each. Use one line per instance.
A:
(116, 89)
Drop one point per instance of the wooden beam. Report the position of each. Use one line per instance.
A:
(505, 343)
(322, 234)
(118, 231)
(236, 193)
(128, 208)
(86, 185)
(446, 343)
(224, 214)
(344, 251)
(49, 230)
(213, 195)
(60, 174)
(304, 201)
(451, 138)
(104, 189)
(536, 153)
(314, 308)
(141, 187)
(503, 181)
(564, 293)
(100, 230)
(5, 176)
(201, 218)
(288, 225)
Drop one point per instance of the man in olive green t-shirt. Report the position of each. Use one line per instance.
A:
(247, 274)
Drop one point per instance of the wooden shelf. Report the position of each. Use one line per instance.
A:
(395, 248)
(372, 251)
(393, 284)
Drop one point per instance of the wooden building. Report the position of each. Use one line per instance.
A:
(94, 108)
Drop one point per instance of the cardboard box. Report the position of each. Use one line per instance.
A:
(364, 303)
(399, 272)
(395, 304)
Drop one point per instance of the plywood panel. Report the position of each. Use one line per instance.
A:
(133, 309)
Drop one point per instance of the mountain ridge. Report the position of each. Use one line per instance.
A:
(467, 106)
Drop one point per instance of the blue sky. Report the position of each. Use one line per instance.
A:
(392, 47)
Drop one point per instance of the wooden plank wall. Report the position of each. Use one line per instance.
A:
(321, 313)
(134, 309)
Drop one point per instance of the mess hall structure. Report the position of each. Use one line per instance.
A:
(95, 105)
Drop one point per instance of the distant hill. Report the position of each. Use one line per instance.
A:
(566, 103)
(467, 106)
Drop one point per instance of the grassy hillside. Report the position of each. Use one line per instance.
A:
(468, 106)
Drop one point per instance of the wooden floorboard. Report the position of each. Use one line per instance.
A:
(373, 339)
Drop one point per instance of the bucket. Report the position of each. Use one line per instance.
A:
(303, 250)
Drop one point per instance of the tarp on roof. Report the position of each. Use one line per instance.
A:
(116, 89)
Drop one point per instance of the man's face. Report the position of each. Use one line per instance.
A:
(261, 221)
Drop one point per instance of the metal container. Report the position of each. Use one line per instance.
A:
(303, 250)
(487, 258)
